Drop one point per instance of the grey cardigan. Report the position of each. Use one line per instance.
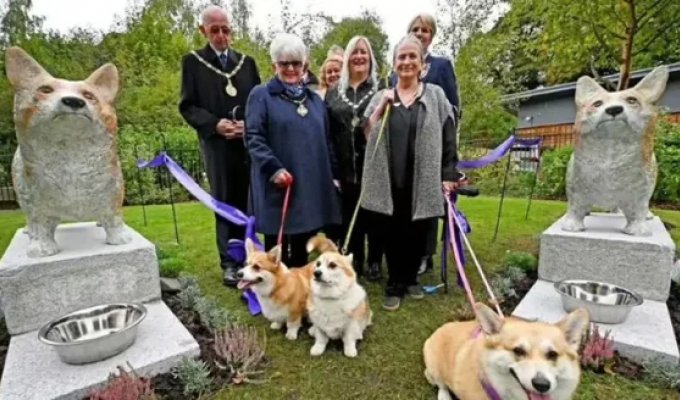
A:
(427, 197)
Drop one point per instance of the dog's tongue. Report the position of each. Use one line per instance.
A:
(243, 285)
(536, 396)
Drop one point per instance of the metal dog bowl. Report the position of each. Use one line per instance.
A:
(94, 333)
(606, 303)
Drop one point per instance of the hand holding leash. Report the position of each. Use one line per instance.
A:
(283, 179)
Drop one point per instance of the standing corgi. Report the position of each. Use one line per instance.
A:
(66, 165)
(338, 305)
(282, 292)
(508, 359)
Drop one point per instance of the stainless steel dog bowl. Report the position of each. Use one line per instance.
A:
(606, 303)
(94, 333)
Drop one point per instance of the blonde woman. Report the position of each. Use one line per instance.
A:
(329, 74)
(346, 104)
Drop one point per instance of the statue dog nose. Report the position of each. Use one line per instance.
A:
(614, 110)
(73, 102)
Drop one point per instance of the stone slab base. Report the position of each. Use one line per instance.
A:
(33, 370)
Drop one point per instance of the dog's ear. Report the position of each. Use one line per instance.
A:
(274, 255)
(574, 325)
(586, 89)
(250, 247)
(490, 322)
(350, 260)
(105, 79)
(22, 69)
(652, 86)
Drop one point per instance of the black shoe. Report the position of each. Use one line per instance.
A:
(374, 273)
(230, 278)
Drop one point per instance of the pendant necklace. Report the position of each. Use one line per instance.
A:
(230, 89)
(301, 109)
(355, 107)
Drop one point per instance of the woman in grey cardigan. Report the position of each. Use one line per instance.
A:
(408, 167)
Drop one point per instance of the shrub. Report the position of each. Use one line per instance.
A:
(504, 284)
(667, 151)
(195, 377)
(597, 352)
(552, 181)
(211, 315)
(170, 267)
(125, 386)
(240, 353)
(527, 262)
(662, 374)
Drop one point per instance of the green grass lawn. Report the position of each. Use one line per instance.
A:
(389, 365)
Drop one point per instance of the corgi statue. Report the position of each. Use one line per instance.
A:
(66, 165)
(613, 163)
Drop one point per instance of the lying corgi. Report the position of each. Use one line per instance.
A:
(282, 292)
(338, 305)
(510, 359)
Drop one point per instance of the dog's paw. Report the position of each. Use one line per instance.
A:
(312, 331)
(572, 224)
(637, 229)
(351, 351)
(291, 335)
(443, 394)
(42, 248)
(317, 350)
(276, 326)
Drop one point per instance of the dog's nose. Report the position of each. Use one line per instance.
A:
(614, 110)
(239, 274)
(540, 383)
(318, 273)
(73, 102)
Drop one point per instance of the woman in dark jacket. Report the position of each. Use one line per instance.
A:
(288, 141)
(407, 167)
(346, 104)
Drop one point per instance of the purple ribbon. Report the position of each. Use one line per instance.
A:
(495, 155)
(236, 248)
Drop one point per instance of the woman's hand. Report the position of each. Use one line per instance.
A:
(388, 98)
(283, 179)
(450, 186)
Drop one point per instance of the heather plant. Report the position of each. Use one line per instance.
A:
(597, 351)
(240, 353)
(211, 315)
(125, 386)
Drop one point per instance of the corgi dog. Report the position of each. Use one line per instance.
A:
(613, 164)
(282, 292)
(508, 359)
(66, 165)
(338, 305)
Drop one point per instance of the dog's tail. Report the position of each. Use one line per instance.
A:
(321, 244)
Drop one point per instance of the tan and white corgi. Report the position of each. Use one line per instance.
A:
(281, 291)
(508, 359)
(338, 305)
(66, 165)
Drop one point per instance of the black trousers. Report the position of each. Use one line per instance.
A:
(405, 243)
(226, 165)
(364, 230)
(294, 248)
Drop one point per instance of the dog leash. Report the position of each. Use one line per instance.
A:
(353, 221)
(453, 218)
(284, 210)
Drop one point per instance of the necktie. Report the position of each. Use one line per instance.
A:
(223, 60)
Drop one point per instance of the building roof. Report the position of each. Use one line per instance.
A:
(567, 88)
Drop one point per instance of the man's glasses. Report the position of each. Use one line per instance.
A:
(217, 29)
(286, 64)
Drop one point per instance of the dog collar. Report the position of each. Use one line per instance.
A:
(491, 393)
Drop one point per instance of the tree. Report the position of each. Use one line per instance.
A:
(608, 35)
(17, 23)
(459, 20)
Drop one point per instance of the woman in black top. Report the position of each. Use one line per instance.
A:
(408, 167)
(346, 104)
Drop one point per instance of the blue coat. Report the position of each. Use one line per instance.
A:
(278, 137)
(441, 73)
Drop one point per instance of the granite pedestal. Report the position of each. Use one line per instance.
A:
(87, 272)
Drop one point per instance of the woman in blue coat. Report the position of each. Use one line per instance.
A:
(288, 141)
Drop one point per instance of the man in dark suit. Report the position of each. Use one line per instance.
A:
(216, 82)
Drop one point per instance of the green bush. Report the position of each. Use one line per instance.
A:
(527, 262)
(552, 176)
(667, 151)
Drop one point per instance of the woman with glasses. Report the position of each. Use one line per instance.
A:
(288, 141)
(407, 166)
(346, 104)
